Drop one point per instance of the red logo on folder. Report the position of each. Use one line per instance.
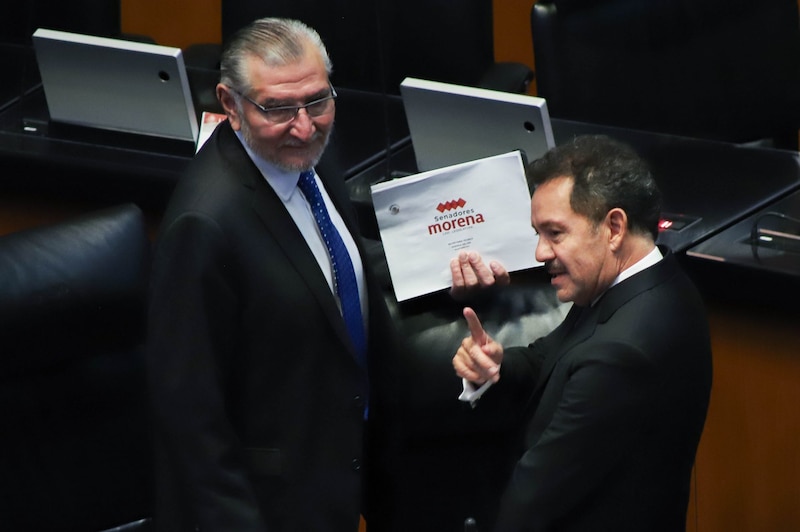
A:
(450, 205)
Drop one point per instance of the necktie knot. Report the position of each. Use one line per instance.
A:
(306, 179)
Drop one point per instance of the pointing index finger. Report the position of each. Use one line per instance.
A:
(475, 328)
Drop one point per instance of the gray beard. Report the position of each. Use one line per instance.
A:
(248, 138)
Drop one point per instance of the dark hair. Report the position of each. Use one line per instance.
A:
(606, 174)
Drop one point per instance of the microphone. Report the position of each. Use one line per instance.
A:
(470, 525)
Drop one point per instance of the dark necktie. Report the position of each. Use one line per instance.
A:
(343, 273)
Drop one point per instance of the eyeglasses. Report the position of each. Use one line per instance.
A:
(287, 113)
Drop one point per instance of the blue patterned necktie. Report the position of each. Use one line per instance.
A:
(343, 272)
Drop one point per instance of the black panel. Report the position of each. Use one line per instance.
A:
(375, 44)
(94, 17)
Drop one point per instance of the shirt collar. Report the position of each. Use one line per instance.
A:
(645, 262)
(642, 264)
(284, 183)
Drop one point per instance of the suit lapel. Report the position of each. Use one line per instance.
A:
(576, 328)
(581, 322)
(276, 220)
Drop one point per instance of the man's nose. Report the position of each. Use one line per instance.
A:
(544, 251)
(303, 125)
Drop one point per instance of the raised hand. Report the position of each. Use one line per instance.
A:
(479, 357)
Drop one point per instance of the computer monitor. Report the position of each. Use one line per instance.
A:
(115, 84)
(451, 124)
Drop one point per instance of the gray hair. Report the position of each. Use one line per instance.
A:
(276, 41)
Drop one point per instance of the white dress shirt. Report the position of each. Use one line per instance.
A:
(285, 186)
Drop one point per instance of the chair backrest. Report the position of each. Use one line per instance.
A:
(76, 446)
(93, 17)
(718, 69)
(375, 45)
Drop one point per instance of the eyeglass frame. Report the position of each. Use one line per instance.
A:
(266, 110)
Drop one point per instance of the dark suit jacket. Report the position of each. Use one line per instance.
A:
(257, 395)
(615, 401)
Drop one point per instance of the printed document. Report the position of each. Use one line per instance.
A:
(426, 219)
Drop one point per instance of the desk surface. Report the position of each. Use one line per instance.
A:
(767, 240)
(20, 73)
(25, 130)
(367, 125)
(711, 185)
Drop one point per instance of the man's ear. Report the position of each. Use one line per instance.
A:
(617, 222)
(228, 102)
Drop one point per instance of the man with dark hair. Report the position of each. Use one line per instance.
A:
(613, 401)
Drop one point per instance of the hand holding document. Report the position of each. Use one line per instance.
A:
(427, 218)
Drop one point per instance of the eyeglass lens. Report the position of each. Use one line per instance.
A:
(285, 114)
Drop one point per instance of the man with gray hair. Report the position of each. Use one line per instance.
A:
(270, 348)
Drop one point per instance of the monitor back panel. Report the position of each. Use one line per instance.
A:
(451, 124)
(116, 85)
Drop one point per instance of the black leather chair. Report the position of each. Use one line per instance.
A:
(716, 69)
(95, 17)
(76, 446)
(451, 462)
(444, 41)
(75, 451)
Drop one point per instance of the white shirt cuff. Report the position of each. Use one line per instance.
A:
(470, 394)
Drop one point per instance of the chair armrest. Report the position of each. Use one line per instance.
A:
(67, 287)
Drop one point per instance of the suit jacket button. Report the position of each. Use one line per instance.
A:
(356, 464)
(358, 401)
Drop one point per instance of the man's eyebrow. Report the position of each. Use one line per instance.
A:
(549, 224)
